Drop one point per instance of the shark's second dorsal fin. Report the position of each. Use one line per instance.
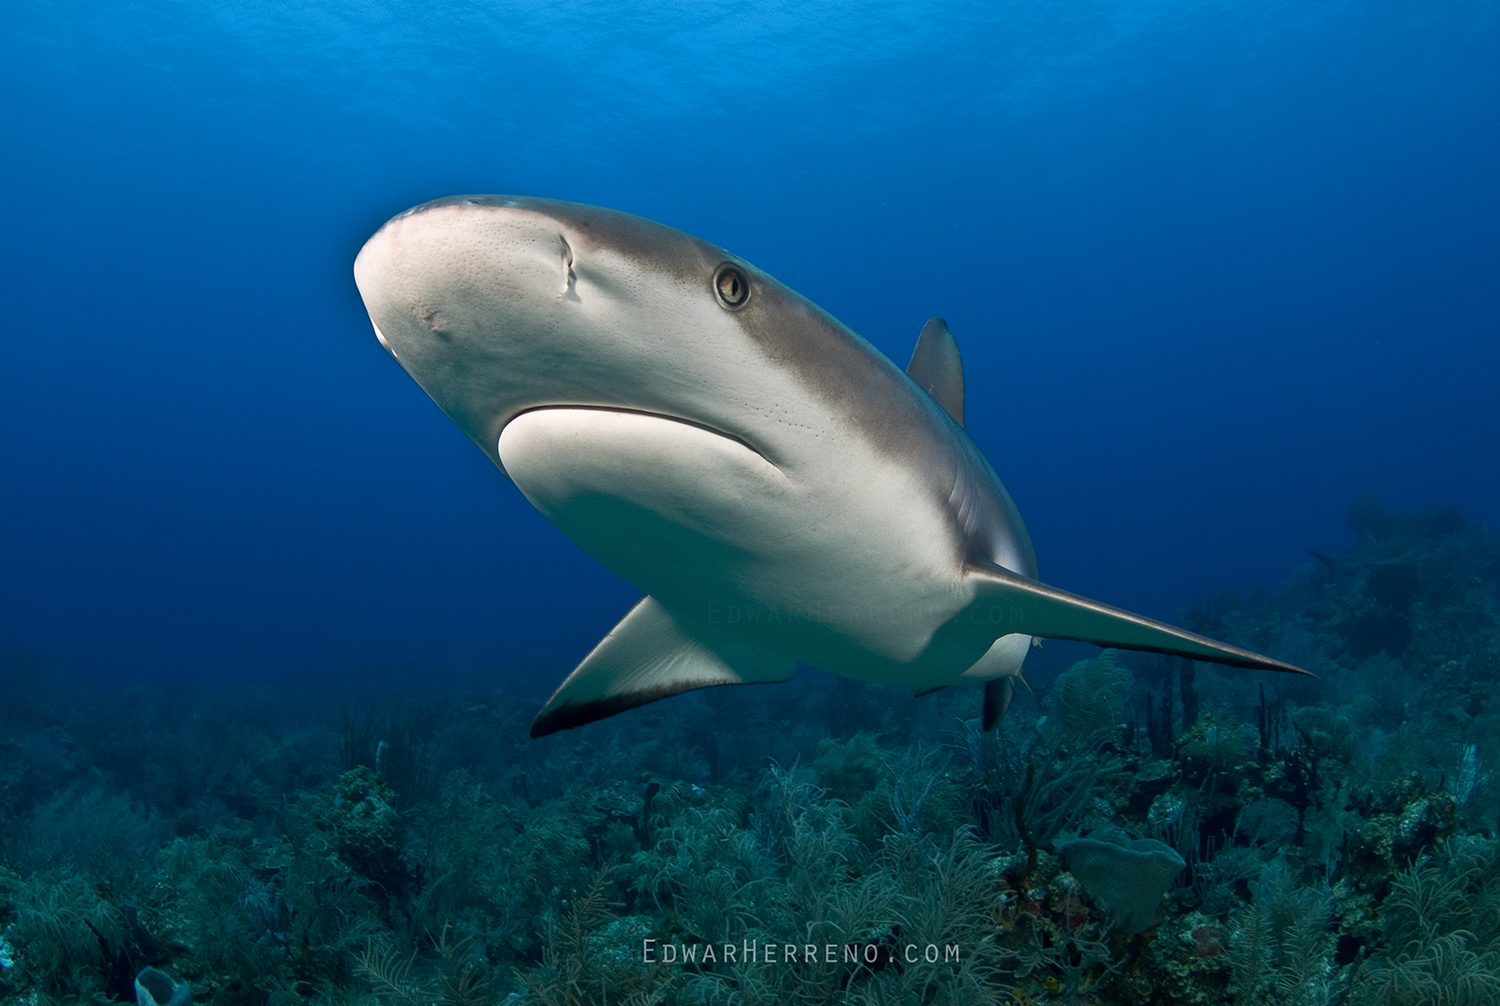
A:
(937, 368)
(1007, 602)
(647, 657)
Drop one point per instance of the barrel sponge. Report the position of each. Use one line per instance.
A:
(156, 988)
(1127, 880)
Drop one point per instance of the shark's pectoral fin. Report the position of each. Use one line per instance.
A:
(938, 369)
(647, 657)
(1007, 602)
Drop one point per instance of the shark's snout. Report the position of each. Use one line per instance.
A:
(380, 337)
(459, 269)
(496, 305)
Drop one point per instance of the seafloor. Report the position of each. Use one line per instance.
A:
(284, 844)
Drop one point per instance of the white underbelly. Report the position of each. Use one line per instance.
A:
(849, 565)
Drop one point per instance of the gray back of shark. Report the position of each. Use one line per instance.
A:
(780, 490)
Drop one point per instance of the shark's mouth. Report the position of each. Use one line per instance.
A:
(589, 469)
(623, 411)
(666, 504)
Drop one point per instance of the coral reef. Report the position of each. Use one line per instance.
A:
(1329, 841)
(1127, 880)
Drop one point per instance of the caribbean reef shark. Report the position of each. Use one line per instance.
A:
(779, 489)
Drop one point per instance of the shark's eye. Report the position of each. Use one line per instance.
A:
(731, 287)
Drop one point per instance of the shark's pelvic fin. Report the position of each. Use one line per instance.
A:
(997, 695)
(1008, 602)
(937, 368)
(648, 657)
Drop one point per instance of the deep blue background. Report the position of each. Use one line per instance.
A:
(1213, 267)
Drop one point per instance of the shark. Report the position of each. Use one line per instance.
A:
(779, 490)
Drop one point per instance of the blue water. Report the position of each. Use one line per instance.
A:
(1214, 268)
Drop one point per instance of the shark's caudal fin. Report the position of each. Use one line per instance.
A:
(938, 369)
(1008, 602)
(648, 657)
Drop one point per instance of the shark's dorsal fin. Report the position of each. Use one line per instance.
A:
(647, 657)
(937, 368)
(1008, 602)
